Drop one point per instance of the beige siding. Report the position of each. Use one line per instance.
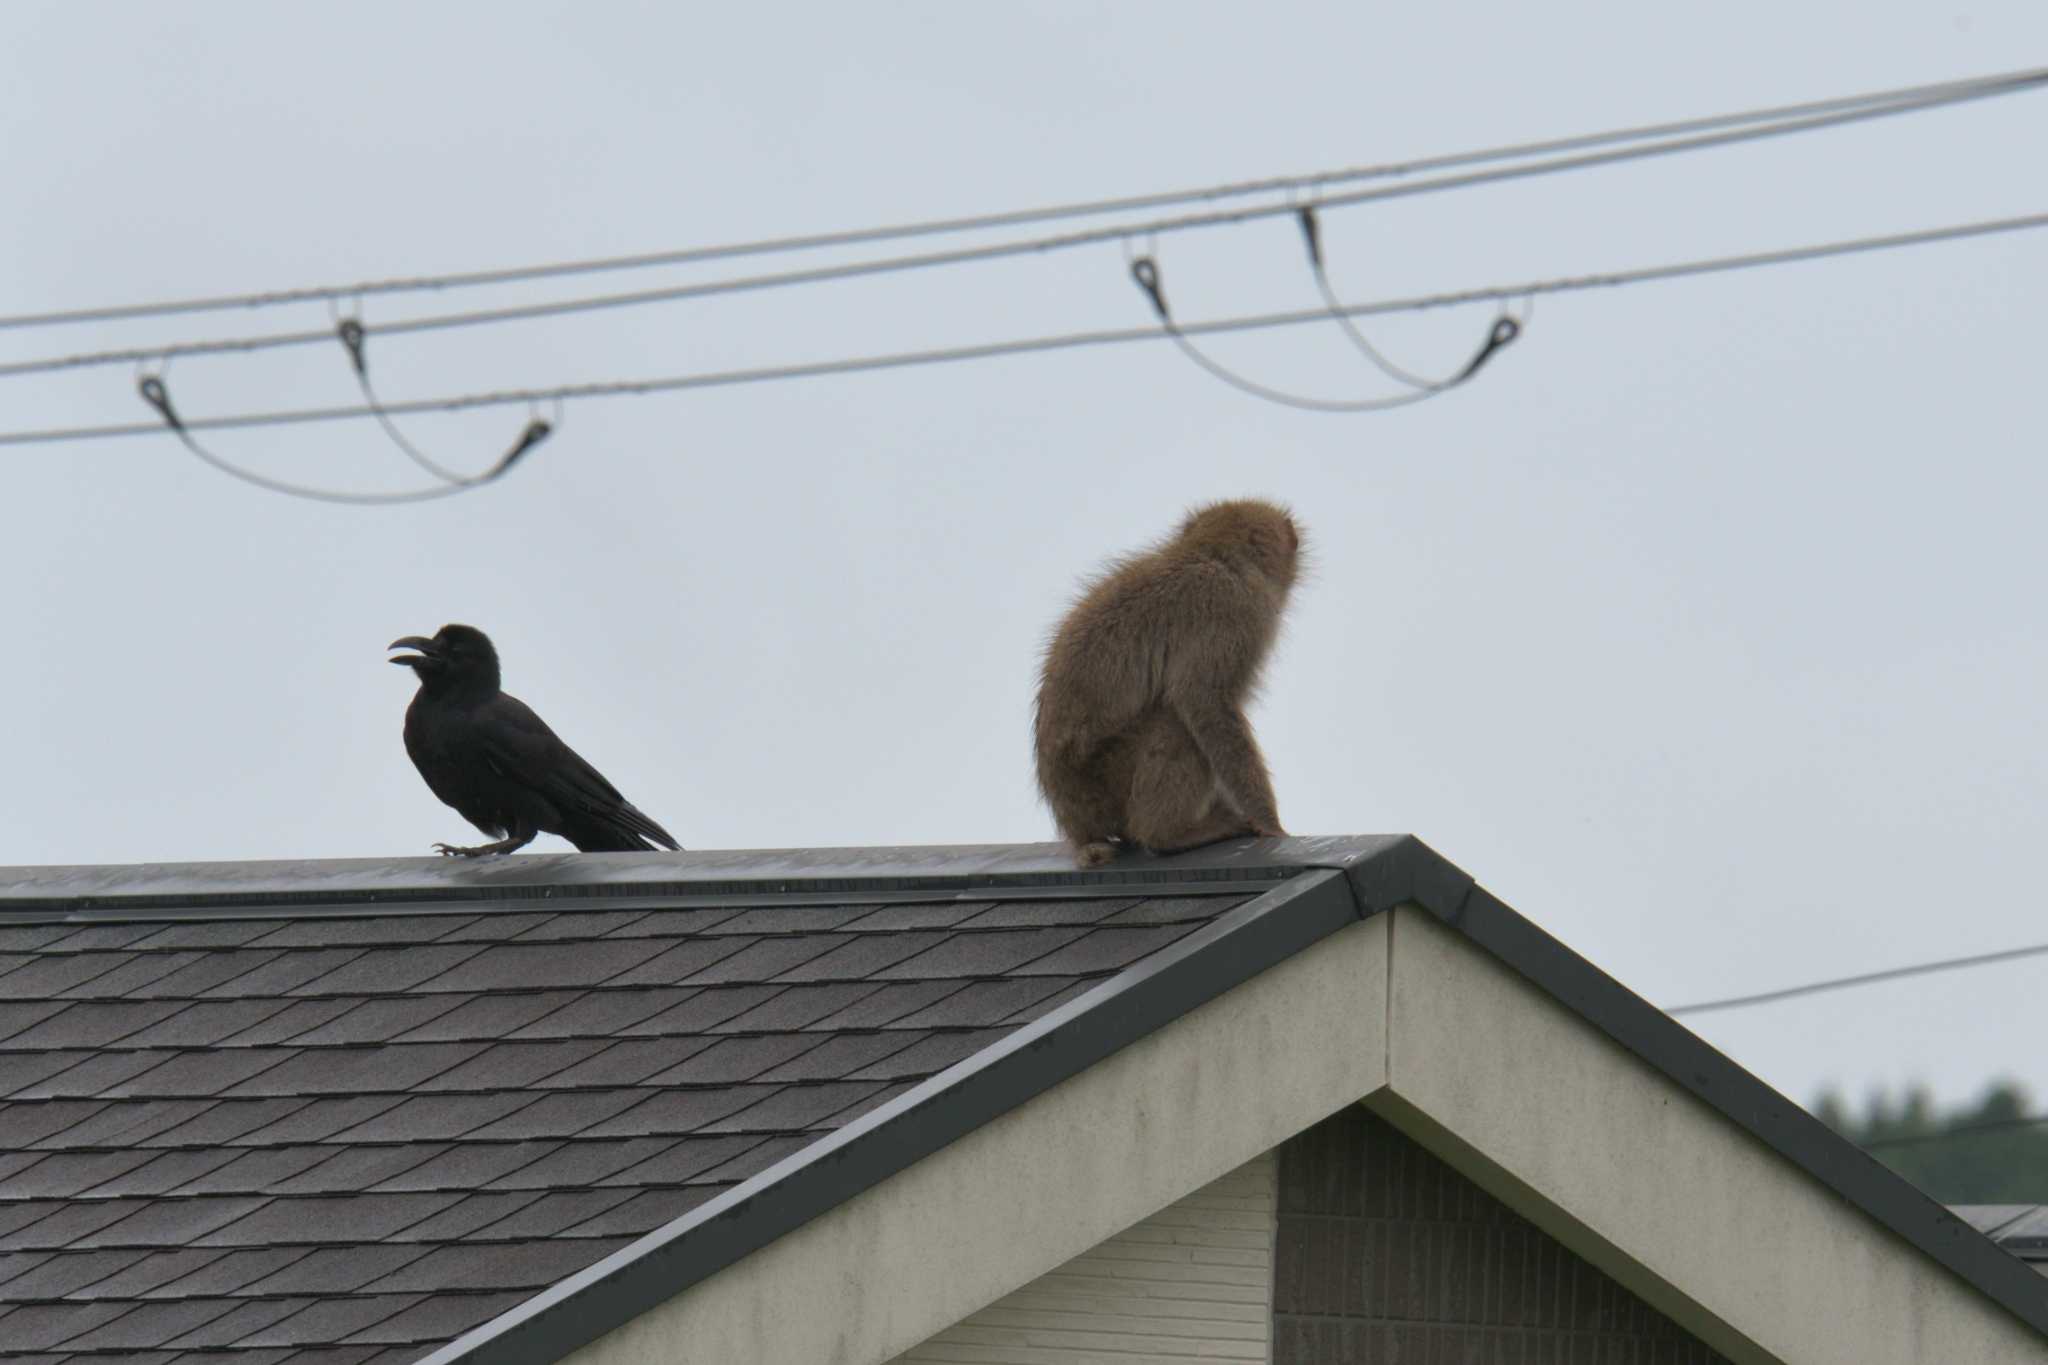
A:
(1194, 1282)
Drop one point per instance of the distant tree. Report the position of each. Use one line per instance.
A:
(1975, 1154)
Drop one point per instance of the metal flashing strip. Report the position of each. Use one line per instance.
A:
(1297, 913)
(1422, 877)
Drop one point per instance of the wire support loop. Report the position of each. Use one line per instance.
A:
(157, 394)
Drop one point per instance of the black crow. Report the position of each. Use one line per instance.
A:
(489, 756)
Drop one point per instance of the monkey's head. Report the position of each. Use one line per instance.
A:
(1248, 530)
(456, 659)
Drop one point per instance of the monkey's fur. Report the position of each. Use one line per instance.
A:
(1140, 726)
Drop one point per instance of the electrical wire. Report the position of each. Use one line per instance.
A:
(1041, 245)
(1997, 83)
(1861, 979)
(1037, 345)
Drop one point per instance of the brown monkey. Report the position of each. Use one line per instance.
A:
(1140, 728)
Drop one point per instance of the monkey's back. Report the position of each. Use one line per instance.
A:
(1173, 610)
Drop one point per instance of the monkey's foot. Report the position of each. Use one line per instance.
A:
(1095, 854)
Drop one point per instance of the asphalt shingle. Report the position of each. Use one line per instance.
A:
(436, 1320)
(163, 1172)
(125, 1122)
(92, 1023)
(1042, 914)
(861, 957)
(927, 915)
(16, 1015)
(982, 1003)
(384, 970)
(435, 1116)
(841, 1055)
(376, 1021)
(887, 1005)
(101, 1073)
(342, 1219)
(733, 1060)
(513, 1066)
(1106, 950)
(483, 1016)
(60, 1175)
(597, 1014)
(38, 1326)
(560, 1115)
(627, 1062)
(467, 1166)
(794, 1108)
(205, 1022)
(680, 960)
(521, 966)
(146, 1273)
(226, 1272)
(643, 1213)
(52, 1276)
(986, 954)
(377, 931)
(302, 1120)
(469, 1215)
(677, 1111)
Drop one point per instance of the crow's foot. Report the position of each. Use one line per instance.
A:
(482, 850)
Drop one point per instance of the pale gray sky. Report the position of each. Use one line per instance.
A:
(1704, 628)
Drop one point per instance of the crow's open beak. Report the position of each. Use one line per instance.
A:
(426, 648)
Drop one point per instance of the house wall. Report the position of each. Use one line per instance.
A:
(1387, 1254)
(1193, 1280)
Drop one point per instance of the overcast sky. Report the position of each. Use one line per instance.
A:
(1704, 627)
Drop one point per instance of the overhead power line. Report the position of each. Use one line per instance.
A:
(1907, 97)
(1032, 345)
(1833, 117)
(1839, 983)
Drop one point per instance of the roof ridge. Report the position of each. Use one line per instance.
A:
(426, 885)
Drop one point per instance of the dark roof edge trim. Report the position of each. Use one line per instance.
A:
(360, 884)
(777, 1201)
(1419, 875)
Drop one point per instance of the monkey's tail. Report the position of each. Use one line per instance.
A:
(1088, 816)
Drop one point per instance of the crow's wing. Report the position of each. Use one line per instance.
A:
(519, 745)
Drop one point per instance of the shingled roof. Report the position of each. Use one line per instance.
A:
(377, 1113)
(253, 1128)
